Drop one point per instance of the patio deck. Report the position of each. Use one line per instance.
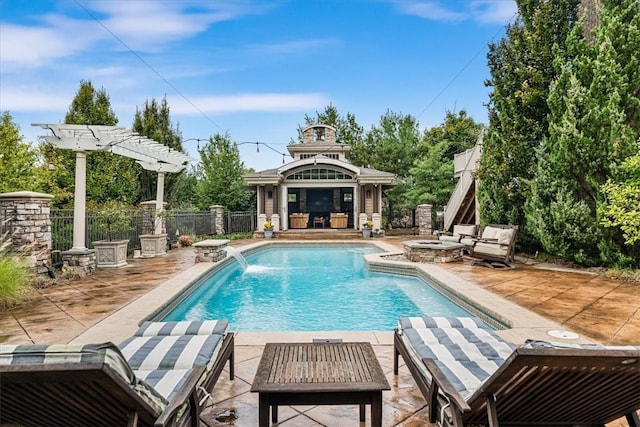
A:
(599, 309)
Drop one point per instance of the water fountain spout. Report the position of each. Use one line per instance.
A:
(238, 256)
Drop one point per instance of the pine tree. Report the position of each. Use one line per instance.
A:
(594, 126)
(154, 122)
(521, 67)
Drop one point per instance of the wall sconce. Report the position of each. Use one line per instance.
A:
(368, 194)
(269, 194)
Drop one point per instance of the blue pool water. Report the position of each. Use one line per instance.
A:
(296, 288)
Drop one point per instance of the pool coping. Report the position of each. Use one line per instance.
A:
(520, 323)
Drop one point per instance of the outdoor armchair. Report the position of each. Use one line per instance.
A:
(496, 246)
(150, 380)
(471, 376)
(460, 231)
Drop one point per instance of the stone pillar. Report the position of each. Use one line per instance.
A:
(217, 215)
(423, 216)
(29, 224)
(151, 222)
(262, 218)
(377, 221)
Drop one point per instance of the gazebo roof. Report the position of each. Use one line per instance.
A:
(150, 154)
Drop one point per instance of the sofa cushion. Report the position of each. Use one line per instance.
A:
(171, 352)
(186, 327)
(505, 236)
(490, 232)
(490, 248)
(469, 230)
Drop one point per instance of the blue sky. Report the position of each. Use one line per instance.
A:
(250, 68)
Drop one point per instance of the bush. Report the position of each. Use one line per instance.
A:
(185, 240)
(15, 279)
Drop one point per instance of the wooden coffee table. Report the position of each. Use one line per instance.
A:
(326, 373)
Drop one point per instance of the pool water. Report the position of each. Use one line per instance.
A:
(300, 288)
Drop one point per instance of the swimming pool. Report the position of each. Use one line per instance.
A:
(311, 288)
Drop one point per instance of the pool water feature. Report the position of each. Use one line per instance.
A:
(311, 288)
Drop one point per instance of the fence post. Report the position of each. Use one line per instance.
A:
(29, 214)
(423, 214)
(217, 218)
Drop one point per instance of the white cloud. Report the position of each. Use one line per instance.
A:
(264, 102)
(140, 25)
(291, 47)
(429, 10)
(33, 99)
(500, 11)
(481, 11)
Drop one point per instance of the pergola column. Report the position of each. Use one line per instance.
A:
(80, 203)
(160, 225)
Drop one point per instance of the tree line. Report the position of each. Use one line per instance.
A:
(560, 155)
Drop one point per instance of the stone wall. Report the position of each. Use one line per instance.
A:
(30, 225)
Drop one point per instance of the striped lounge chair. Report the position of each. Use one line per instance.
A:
(160, 376)
(471, 376)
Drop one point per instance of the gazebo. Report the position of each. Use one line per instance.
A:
(150, 154)
(319, 188)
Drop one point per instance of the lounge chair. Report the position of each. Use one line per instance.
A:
(160, 376)
(471, 376)
(496, 246)
(460, 231)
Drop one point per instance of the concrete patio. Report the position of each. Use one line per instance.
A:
(598, 309)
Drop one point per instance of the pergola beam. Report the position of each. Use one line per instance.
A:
(150, 154)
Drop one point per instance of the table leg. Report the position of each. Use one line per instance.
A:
(363, 409)
(274, 414)
(376, 409)
(263, 410)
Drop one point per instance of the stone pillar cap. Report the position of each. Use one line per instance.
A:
(30, 195)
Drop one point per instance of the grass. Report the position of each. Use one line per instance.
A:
(15, 279)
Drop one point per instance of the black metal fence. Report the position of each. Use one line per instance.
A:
(192, 223)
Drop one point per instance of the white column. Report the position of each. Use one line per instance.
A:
(80, 203)
(159, 224)
(356, 207)
(284, 208)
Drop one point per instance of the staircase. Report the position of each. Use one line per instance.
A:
(461, 208)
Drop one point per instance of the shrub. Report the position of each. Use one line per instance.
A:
(15, 277)
(185, 240)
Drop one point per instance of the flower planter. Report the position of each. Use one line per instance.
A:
(366, 232)
(153, 245)
(268, 234)
(111, 253)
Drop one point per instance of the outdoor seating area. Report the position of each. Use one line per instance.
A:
(162, 375)
(469, 375)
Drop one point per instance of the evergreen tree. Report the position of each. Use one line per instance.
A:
(433, 169)
(220, 173)
(521, 67)
(594, 126)
(154, 122)
(17, 159)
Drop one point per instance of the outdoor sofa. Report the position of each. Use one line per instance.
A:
(160, 376)
(496, 246)
(469, 375)
(460, 231)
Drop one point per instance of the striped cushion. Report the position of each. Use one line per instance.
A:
(440, 322)
(466, 355)
(107, 353)
(167, 382)
(196, 327)
(171, 352)
(531, 343)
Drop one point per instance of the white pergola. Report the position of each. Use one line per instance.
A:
(150, 154)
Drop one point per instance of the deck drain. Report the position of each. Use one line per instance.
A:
(319, 340)
(561, 333)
